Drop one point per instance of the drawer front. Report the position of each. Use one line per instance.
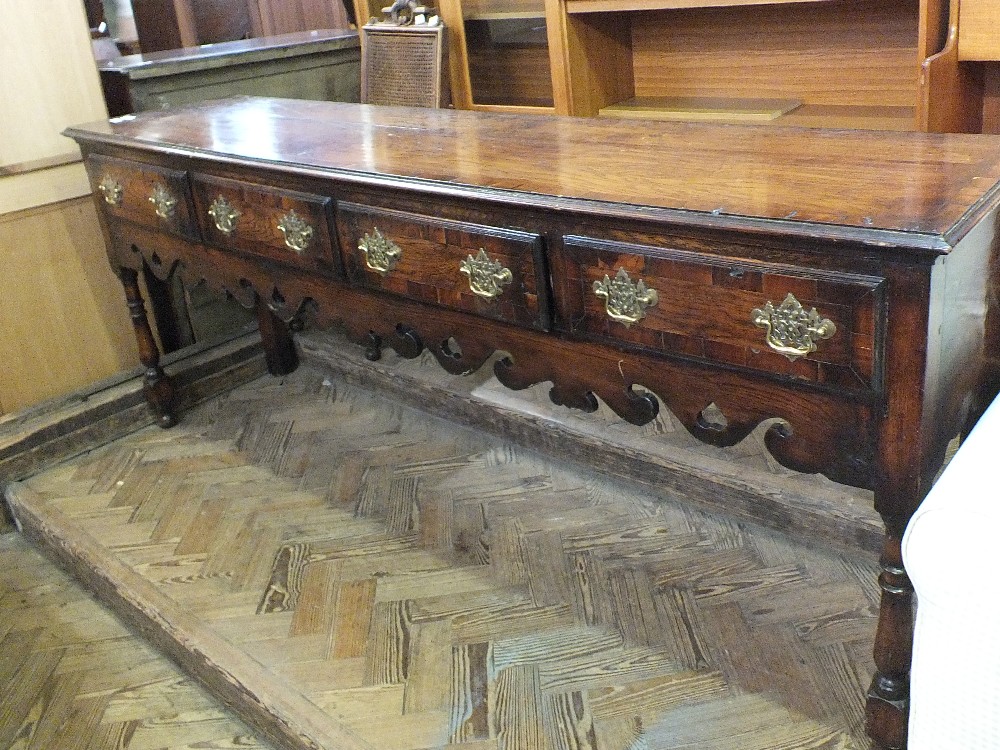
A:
(281, 225)
(492, 272)
(739, 312)
(141, 193)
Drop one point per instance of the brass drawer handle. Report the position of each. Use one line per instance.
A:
(223, 215)
(486, 277)
(298, 234)
(790, 329)
(381, 254)
(112, 190)
(163, 201)
(625, 301)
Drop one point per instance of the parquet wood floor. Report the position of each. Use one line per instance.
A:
(379, 578)
(73, 677)
(743, 481)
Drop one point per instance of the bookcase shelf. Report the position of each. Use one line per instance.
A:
(870, 64)
(763, 111)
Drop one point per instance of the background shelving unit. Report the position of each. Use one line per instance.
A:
(879, 64)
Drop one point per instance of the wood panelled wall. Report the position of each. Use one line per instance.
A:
(170, 24)
(285, 16)
(61, 321)
(61, 306)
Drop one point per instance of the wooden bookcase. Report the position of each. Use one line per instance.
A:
(881, 64)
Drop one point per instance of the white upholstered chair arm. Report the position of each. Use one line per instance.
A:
(950, 549)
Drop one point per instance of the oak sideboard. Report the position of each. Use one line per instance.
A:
(837, 285)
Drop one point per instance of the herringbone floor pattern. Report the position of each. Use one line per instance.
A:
(72, 677)
(428, 586)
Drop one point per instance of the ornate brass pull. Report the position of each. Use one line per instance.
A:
(486, 277)
(790, 329)
(112, 190)
(298, 234)
(625, 301)
(163, 201)
(223, 215)
(381, 254)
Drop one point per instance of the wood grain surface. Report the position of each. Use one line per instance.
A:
(422, 585)
(73, 676)
(743, 482)
(863, 182)
(57, 291)
(977, 37)
(853, 53)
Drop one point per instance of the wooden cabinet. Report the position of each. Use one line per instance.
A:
(304, 65)
(835, 290)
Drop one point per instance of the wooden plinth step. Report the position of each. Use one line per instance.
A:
(74, 677)
(345, 571)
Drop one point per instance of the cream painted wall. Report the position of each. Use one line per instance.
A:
(62, 319)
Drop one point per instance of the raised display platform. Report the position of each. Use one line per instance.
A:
(346, 571)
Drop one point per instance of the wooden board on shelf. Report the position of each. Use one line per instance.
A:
(605, 6)
(502, 15)
(854, 117)
(702, 108)
(784, 112)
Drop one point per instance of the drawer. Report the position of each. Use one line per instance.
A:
(816, 325)
(281, 225)
(144, 194)
(492, 272)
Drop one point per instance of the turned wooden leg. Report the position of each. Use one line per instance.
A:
(157, 385)
(279, 346)
(373, 347)
(887, 710)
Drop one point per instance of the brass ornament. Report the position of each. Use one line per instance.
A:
(625, 301)
(112, 190)
(163, 201)
(790, 329)
(223, 215)
(298, 234)
(486, 277)
(381, 254)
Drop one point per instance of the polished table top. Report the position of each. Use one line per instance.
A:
(887, 189)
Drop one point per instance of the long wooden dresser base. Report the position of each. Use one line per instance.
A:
(836, 285)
